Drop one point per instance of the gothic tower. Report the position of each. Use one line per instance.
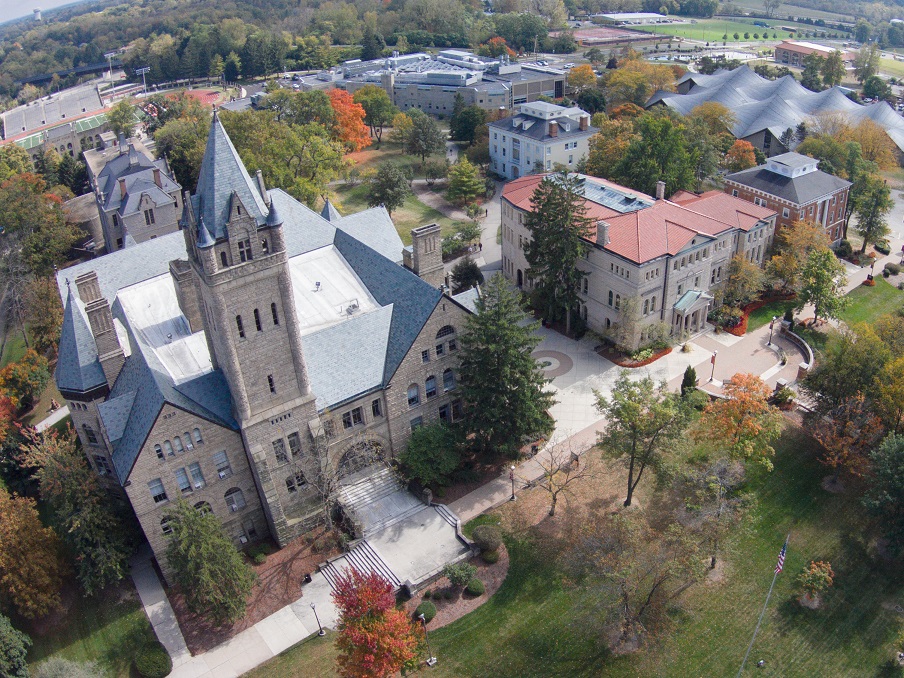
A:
(242, 292)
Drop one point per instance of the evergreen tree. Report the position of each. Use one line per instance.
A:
(424, 138)
(213, 576)
(811, 78)
(833, 70)
(388, 187)
(466, 274)
(558, 226)
(372, 45)
(13, 650)
(232, 67)
(787, 138)
(502, 385)
(689, 381)
(465, 183)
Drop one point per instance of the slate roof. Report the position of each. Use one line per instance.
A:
(78, 367)
(800, 190)
(138, 171)
(222, 174)
(538, 130)
(776, 105)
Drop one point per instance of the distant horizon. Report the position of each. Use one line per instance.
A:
(13, 11)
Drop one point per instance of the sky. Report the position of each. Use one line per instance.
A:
(13, 9)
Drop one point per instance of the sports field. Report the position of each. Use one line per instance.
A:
(713, 29)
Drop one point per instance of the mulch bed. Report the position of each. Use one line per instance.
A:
(278, 585)
(740, 329)
(623, 359)
(448, 610)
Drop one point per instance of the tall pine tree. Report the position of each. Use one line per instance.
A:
(559, 227)
(502, 385)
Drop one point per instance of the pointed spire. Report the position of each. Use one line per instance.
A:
(78, 368)
(222, 174)
(204, 238)
(329, 212)
(273, 218)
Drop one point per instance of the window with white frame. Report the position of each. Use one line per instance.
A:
(197, 477)
(221, 461)
(183, 481)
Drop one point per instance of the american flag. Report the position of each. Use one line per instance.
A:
(781, 558)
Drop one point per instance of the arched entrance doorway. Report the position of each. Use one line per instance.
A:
(520, 278)
(359, 456)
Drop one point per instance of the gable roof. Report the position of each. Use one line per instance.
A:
(222, 174)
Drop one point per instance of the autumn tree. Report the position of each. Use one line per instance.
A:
(388, 187)
(23, 382)
(833, 69)
(559, 232)
(643, 423)
(581, 77)
(740, 156)
(401, 128)
(884, 497)
(847, 434)
(464, 182)
(875, 146)
(350, 128)
(816, 578)
(743, 423)
(376, 640)
(30, 564)
(608, 146)
(424, 138)
(717, 117)
(871, 208)
(745, 281)
(378, 109)
(793, 245)
(212, 575)
(562, 470)
(888, 395)
(83, 512)
(13, 650)
(44, 312)
(502, 385)
(822, 284)
(13, 160)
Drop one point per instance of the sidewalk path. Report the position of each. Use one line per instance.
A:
(57, 415)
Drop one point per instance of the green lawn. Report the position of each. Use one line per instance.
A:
(412, 214)
(313, 657)
(868, 303)
(530, 627)
(764, 314)
(891, 67)
(107, 629)
(14, 348)
(714, 29)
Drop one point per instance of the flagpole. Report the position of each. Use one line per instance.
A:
(763, 612)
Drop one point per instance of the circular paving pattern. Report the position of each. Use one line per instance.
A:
(553, 363)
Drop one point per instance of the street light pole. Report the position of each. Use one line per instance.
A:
(321, 632)
(109, 56)
(713, 361)
(431, 660)
(771, 325)
(512, 478)
(142, 72)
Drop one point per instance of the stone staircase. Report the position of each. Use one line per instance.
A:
(378, 500)
(371, 488)
(364, 558)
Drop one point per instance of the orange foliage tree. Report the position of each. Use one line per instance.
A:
(375, 639)
(744, 421)
(847, 435)
(7, 417)
(581, 77)
(350, 128)
(30, 563)
(740, 156)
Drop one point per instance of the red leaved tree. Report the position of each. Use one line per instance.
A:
(375, 639)
(847, 435)
(350, 128)
(740, 156)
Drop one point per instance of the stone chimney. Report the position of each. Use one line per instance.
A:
(553, 128)
(186, 293)
(427, 254)
(602, 233)
(584, 122)
(157, 179)
(100, 318)
(122, 188)
(660, 190)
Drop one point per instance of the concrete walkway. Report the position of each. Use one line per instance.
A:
(56, 416)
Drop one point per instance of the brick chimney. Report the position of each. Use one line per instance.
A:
(157, 177)
(100, 318)
(122, 188)
(584, 122)
(660, 190)
(186, 293)
(553, 128)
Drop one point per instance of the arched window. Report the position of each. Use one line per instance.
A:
(445, 331)
(414, 395)
(203, 507)
(430, 387)
(240, 326)
(235, 499)
(223, 261)
(198, 438)
(646, 306)
(275, 314)
(617, 301)
(159, 451)
(610, 297)
(652, 304)
(177, 445)
(165, 526)
(448, 380)
(188, 443)
(167, 445)
(257, 320)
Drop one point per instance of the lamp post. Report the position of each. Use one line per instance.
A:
(109, 57)
(512, 478)
(771, 325)
(143, 72)
(321, 632)
(431, 660)
(713, 361)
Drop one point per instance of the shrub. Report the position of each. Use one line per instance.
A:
(641, 355)
(448, 594)
(487, 537)
(57, 667)
(153, 661)
(459, 574)
(427, 594)
(784, 396)
(490, 557)
(427, 609)
(475, 587)
(259, 558)
(431, 456)
(844, 249)
(883, 247)
(893, 269)
(789, 315)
